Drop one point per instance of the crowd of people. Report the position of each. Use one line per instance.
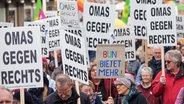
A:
(147, 84)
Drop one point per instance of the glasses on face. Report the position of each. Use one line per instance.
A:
(168, 61)
(119, 84)
(66, 93)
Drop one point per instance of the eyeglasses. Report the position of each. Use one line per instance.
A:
(120, 84)
(168, 61)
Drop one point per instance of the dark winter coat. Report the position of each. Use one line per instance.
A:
(156, 66)
(134, 97)
(55, 99)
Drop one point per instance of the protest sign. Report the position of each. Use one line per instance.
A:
(180, 26)
(138, 16)
(5, 24)
(68, 13)
(43, 36)
(124, 35)
(21, 64)
(74, 56)
(98, 19)
(54, 38)
(110, 61)
(161, 25)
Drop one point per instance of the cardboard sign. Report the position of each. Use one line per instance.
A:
(110, 61)
(161, 25)
(124, 35)
(5, 24)
(43, 37)
(98, 19)
(138, 16)
(74, 56)
(68, 13)
(180, 26)
(21, 64)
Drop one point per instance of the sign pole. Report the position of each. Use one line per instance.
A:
(146, 52)
(110, 87)
(22, 96)
(55, 59)
(163, 62)
(77, 89)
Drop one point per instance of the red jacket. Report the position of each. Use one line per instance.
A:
(149, 95)
(105, 83)
(172, 87)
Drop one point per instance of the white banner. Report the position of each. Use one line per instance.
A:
(74, 56)
(98, 19)
(161, 25)
(124, 35)
(21, 64)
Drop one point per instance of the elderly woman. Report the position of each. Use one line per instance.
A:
(127, 92)
(89, 90)
(145, 86)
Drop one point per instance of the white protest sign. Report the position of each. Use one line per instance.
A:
(180, 26)
(5, 24)
(54, 38)
(77, 31)
(50, 14)
(161, 23)
(98, 19)
(53, 33)
(124, 35)
(68, 13)
(138, 16)
(21, 64)
(110, 61)
(74, 56)
(53, 21)
(43, 37)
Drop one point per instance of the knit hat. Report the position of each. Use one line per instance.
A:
(127, 80)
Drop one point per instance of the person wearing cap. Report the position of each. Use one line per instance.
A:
(127, 92)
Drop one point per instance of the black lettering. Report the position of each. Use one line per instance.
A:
(4, 77)
(37, 74)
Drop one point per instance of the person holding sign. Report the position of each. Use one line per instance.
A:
(65, 92)
(101, 86)
(169, 83)
(127, 92)
(5, 96)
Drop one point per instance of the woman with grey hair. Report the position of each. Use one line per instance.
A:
(169, 83)
(145, 86)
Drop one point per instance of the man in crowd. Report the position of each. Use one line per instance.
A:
(5, 96)
(65, 92)
(169, 83)
(155, 62)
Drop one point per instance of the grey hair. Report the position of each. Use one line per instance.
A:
(4, 88)
(156, 47)
(147, 69)
(63, 79)
(175, 56)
